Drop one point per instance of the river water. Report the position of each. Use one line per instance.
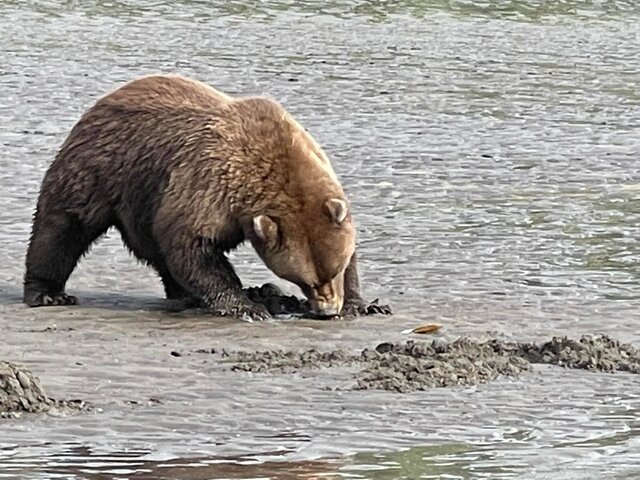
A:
(490, 149)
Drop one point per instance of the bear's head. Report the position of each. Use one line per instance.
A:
(311, 250)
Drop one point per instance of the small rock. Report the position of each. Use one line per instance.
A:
(24, 380)
(384, 347)
(20, 391)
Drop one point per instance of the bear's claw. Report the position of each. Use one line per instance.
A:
(248, 312)
(257, 313)
(375, 308)
(51, 300)
(358, 307)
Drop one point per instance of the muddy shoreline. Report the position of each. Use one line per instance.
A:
(400, 367)
(316, 388)
(420, 365)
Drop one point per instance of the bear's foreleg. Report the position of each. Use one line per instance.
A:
(354, 304)
(174, 292)
(352, 283)
(207, 274)
(172, 289)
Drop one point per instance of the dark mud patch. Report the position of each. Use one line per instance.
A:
(280, 304)
(21, 392)
(410, 366)
(277, 303)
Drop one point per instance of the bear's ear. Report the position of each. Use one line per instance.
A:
(338, 210)
(265, 228)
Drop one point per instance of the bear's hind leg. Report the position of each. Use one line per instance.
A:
(57, 243)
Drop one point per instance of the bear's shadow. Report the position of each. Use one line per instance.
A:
(268, 295)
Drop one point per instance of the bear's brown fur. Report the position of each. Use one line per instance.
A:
(186, 173)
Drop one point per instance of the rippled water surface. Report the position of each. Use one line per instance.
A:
(490, 149)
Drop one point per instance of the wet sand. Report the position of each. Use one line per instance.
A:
(398, 367)
(153, 382)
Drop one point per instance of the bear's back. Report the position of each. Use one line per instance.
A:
(253, 137)
(166, 92)
(251, 120)
(267, 127)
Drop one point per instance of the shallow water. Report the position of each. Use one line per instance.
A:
(491, 153)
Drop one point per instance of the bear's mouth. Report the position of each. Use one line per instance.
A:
(324, 315)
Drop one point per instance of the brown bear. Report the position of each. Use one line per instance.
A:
(187, 173)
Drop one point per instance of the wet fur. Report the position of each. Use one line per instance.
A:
(180, 170)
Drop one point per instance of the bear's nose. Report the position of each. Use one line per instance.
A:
(324, 309)
(325, 301)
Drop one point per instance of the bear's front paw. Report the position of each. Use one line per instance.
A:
(358, 307)
(248, 311)
(50, 300)
(236, 304)
(252, 313)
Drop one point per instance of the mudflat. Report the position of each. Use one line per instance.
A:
(419, 365)
(491, 158)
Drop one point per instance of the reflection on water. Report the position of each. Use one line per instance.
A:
(491, 152)
(449, 460)
(80, 462)
(441, 461)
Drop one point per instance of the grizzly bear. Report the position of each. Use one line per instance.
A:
(186, 173)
